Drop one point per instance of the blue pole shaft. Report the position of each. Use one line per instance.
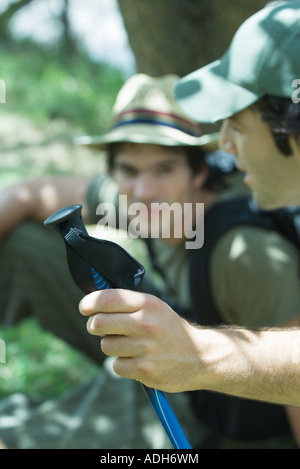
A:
(167, 418)
(158, 399)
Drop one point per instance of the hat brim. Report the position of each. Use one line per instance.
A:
(207, 95)
(157, 135)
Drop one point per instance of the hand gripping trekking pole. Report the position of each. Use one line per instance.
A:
(97, 264)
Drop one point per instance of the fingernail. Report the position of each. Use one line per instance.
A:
(90, 323)
(81, 306)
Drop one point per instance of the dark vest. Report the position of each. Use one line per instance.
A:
(229, 416)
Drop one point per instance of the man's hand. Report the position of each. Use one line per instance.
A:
(162, 350)
(151, 342)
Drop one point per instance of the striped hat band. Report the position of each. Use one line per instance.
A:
(146, 116)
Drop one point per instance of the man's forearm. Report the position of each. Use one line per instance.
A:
(261, 365)
(37, 199)
(156, 346)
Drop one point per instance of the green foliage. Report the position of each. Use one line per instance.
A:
(43, 86)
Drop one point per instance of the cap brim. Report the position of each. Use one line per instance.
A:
(152, 135)
(207, 95)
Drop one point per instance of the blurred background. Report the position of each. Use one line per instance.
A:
(63, 62)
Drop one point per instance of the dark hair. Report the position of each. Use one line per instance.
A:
(283, 116)
(196, 159)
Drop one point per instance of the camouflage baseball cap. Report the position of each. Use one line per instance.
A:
(263, 59)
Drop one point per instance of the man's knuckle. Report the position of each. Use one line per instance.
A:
(145, 370)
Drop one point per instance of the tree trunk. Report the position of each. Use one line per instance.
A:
(178, 36)
(7, 14)
(68, 41)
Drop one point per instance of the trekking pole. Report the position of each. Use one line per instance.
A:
(97, 264)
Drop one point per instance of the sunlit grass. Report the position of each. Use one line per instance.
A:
(39, 364)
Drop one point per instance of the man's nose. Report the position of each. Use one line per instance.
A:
(145, 187)
(226, 141)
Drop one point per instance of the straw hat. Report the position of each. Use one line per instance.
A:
(146, 111)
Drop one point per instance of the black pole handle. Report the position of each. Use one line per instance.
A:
(87, 254)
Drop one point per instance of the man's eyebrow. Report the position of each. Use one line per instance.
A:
(125, 167)
(123, 164)
(236, 119)
(156, 165)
